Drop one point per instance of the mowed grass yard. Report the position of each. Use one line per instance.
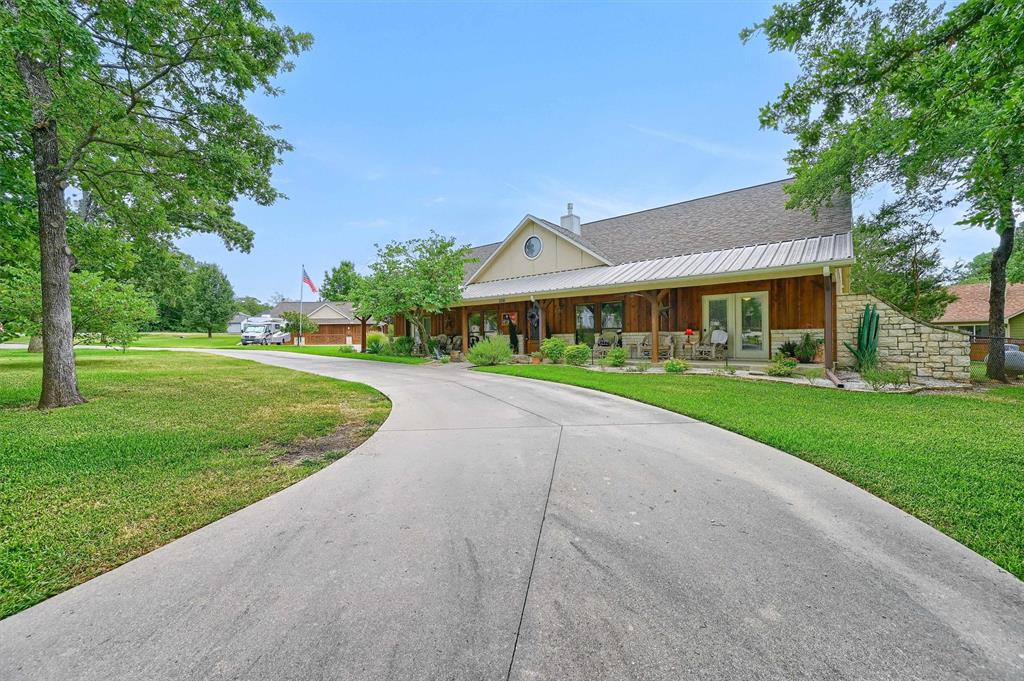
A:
(167, 443)
(956, 461)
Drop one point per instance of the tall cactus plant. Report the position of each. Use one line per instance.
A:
(866, 352)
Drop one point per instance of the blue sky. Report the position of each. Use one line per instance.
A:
(464, 117)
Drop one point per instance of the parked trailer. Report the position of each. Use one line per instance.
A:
(265, 331)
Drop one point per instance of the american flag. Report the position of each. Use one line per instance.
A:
(307, 281)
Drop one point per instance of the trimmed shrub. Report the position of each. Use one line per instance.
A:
(781, 366)
(376, 344)
(616, 357)
(402, 346)
(554, 349)
(490, 351)
(578, 355)
(789, 348)
(879, 377)
(807, 348)
(676, 366)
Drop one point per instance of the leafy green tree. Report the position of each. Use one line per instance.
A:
(294, 317)
(339, 281)
(979, 268)
(898, 260)
(102, 310)
(415, 278)
(250, 306)
(141, 105)
(911, 96)
(166, 274)
(211, 301)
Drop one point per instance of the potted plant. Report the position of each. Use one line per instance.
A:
(807, 349)
(536, 357)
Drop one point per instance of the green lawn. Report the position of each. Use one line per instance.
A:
(230, 341)
(167, 443)
(955, 461)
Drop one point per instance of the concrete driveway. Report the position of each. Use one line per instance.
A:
(501, 528)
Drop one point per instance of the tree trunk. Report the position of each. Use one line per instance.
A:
(60, 382)
(996, 368)
(209, 332)
(362, 331)
(35, 344)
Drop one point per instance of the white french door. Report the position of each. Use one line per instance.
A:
(744, 316)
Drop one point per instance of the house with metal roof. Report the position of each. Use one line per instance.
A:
(661, 279)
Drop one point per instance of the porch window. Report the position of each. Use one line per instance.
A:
(585, 324)
(482, 325)
(611, 316)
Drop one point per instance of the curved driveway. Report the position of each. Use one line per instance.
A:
(502, 528)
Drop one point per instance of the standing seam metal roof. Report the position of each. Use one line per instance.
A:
(791, 253)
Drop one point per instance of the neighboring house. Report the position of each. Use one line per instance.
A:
(337, 321)
(969, 313)
(235, 324)
(738, 261)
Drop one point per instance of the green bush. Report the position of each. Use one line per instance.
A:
(377, 344)
(616, 357)
(807, 348)
(789, 348)
(578, 355)
(676, 366)
(554, 349)
(490, 351)
(879, 377)
(347, 348)
(402, 346)
(781, 365)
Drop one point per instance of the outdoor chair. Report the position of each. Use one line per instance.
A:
(666, 346)
(712, 347)
(605, 342)
(456, 344)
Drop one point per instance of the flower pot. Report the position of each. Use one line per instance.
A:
(535, 360)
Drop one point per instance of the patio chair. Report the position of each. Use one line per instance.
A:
(456, 344)
(666, 346)
(712, 347)
(605, 342)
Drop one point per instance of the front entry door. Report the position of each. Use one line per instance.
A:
(744, 316)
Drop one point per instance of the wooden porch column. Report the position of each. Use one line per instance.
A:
(829, 331)
(362, 331)
(465, 331)
(654, 298)
(541, 328)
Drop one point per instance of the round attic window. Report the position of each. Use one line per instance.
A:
(533, 247)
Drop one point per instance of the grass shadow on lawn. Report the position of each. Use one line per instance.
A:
(168, 442)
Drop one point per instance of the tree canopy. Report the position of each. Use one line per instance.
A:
(979, 268)
(414, 278)
(142, 107)
(898, 260)
(909, 96)
(211, 302)
(339, 281)
(250, 306)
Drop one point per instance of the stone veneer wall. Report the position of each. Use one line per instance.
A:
(927, 350)
(780, 336)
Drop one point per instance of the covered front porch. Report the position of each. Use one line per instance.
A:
(757, 316)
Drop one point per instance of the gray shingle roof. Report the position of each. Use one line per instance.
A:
(480, 254)
(742, 217)
(732, 219)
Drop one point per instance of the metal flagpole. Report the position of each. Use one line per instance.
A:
(301, 284)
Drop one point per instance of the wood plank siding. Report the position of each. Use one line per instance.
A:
(793, 303)
(337, 334)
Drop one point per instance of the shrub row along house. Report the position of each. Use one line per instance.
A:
(737, 261)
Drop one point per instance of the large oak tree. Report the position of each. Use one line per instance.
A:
(140, 104)
(925, 101)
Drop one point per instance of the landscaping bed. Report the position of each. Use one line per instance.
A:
(168, 442)
(956, 461)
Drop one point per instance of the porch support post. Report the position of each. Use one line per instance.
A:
(541, 323)
(829, 331)
(465, 331)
